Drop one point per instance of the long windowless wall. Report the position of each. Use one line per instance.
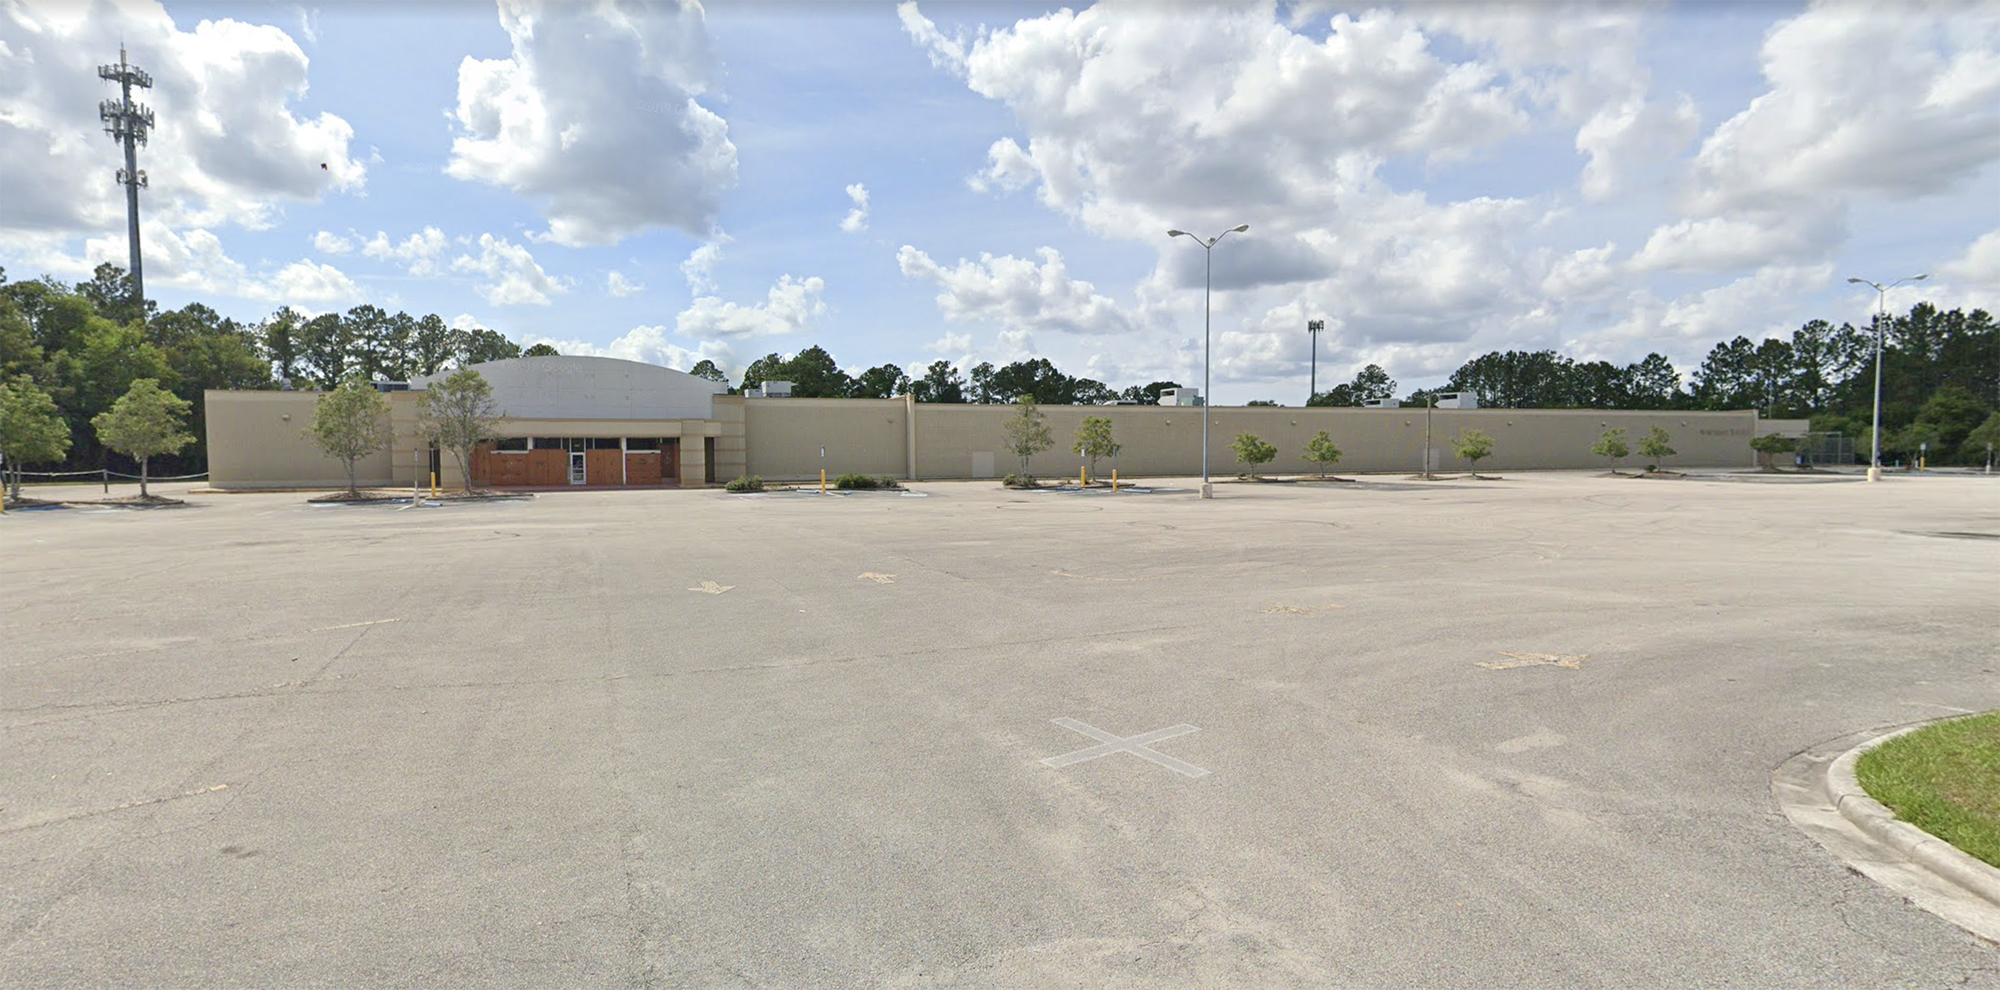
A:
(945, 440)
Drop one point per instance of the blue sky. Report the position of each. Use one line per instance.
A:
(667, 183)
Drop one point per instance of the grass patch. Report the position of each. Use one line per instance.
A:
(1944, 779)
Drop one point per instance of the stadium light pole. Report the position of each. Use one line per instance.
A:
(1881, 318)
(1207, 266)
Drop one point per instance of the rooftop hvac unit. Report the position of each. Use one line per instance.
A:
(1180, 397)
(772, 390)
(1380, 404)
(1457, 400)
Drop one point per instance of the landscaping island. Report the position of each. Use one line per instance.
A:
(1944, 779)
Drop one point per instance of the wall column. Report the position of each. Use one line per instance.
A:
(910, 421)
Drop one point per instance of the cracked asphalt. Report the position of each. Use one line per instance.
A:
(688, 739)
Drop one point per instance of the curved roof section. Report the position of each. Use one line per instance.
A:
(592, 388)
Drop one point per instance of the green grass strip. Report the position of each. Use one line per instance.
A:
(1944, 779)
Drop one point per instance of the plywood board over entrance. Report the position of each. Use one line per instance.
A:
(642, 467)
(604, 467)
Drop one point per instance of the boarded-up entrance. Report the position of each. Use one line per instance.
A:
(642, 467)
(604, 467)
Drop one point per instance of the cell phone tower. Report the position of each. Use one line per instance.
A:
(128, 122)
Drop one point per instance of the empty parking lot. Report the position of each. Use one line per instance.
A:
(1514, 733)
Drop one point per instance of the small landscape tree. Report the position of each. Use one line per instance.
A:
(146, 421)
(1321, 451)
(1656, 447)
(457, 415)
(1611, 446)
(1027, 434)
(1769, 445)
(1252, 450)
(350, 423)
(1093, 440)
(1472, 446)
(31, 429)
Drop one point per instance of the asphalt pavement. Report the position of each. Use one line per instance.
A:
(1517, 733)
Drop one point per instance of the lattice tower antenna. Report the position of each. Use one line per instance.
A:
(128, 122)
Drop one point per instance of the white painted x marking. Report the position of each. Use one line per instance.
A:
(1135, 745)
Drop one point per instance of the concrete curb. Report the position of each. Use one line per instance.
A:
(1873, 818)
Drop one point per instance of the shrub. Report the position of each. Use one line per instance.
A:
(1472, 446)
(1252, 450)
(1020, 481)
(1611, 446)
(750, 483)
(857, 481)
(1656, 447)
(1321, 451)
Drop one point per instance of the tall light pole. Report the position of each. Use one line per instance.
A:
(1881, 318)
(1207, 267)
(1313, 327)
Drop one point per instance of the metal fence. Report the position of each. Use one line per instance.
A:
(1826, 449)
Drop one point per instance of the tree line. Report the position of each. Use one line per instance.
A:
(84, 345)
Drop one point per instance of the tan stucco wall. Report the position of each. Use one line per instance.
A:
(785, 435)
(861, 435)
(252, 444)
(257, 440)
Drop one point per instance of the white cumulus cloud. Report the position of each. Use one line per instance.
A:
(792, 305)
(227, 149)
(619, 286)
(595, 113)
(1017, 293)
(512, 277)
(857, 218)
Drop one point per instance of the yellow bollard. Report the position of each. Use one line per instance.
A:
(434, 484)
(1083, 477)
(822, 481)
(1114, 481)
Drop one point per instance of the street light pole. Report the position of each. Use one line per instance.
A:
(1313, 327)
(1207, 267)
(1881, 320)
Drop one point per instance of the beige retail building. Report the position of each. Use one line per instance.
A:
(602, 422)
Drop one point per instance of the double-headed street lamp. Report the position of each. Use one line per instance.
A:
(1881, 318)
(1208, 255)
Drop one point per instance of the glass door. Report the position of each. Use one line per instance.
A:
(576, 474)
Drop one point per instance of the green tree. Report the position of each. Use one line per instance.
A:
(433, 344)
(110, 292)
(941, 383)
(1252, 450)
(884, 381)
(1611, 446)
(1472, 446)
(1769, 446)
(457, 415)
(280, 336)
(349, 423)
(31, 430)
(1656, 447)
(1372, 382)
(1026, 433)
(543, 349)
(1952, 411)
(706, 368)
(145, 422)
(1321, 451)
(1982, 441)
(1093, 440)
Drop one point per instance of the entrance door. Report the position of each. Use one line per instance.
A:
(576, 474)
